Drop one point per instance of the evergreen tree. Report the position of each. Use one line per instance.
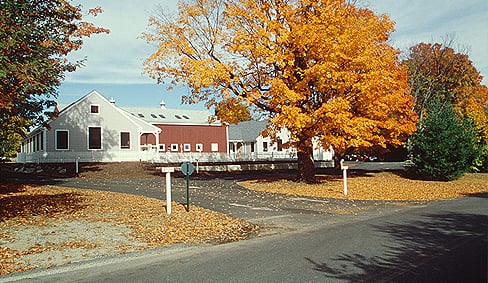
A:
(445, 147)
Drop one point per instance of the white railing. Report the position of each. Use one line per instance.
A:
(150, 156)
(94, 156)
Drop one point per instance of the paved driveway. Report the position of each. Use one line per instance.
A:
(221, 192)
(442, 242)
(275, 212)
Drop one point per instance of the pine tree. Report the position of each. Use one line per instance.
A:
(445, 146)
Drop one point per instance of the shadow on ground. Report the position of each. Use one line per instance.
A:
(26, 206)
(445, 247)
(17, 201)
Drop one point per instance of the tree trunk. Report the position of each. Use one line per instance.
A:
(306, 166)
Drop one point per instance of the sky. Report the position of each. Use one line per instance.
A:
(114, 62)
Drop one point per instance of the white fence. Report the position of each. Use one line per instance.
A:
(94, 156)
(148, 156)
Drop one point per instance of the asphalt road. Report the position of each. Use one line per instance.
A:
(439, 242)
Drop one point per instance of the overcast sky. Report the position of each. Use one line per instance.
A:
(114, 61)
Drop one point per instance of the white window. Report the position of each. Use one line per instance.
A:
(125, 140)
(280, 145)
(162, 147)
(214, 147)
(94, 108)
(94, 138)
(174, 147)
(199, 147)
(186, 147)
(62, 139)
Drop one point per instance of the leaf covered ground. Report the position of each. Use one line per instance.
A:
(376, 186)
(123, 223)
(44, 226)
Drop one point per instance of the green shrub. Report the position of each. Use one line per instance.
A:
(445, 145)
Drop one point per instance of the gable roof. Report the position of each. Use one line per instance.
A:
(246, 131)
(142, 125)
(145, 117)
(156, 115)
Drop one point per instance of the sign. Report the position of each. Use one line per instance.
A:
(187, 168)
(167, 169)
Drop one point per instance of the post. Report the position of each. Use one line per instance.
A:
(76, 162)
(344, 176)
(168, 193)
(187, 169)
(187, 173)
(168, 171)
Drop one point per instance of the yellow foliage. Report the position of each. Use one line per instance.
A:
(232, 111)
(319, 68)
(474, 105)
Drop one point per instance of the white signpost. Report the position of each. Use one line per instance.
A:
(344, 175)
(168, 171)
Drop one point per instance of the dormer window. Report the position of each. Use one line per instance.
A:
(178, 116)
(186, 117)
(140, 115)
(94, 109)
(154, 116)
(162, 116)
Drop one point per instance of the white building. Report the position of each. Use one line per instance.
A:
(247, 142)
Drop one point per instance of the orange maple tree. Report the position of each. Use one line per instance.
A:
(438, 72)
(232, 111)
(317, 68)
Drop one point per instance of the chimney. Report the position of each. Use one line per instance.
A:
(112, 100)
(162, 104)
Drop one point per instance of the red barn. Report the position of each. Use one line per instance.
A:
(182, 131)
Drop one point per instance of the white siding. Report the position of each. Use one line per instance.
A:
(77, 119)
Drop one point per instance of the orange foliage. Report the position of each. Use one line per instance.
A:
(319, 68)
(438, 72)
(232, 111)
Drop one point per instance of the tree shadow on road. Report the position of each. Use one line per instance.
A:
(444, 247)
